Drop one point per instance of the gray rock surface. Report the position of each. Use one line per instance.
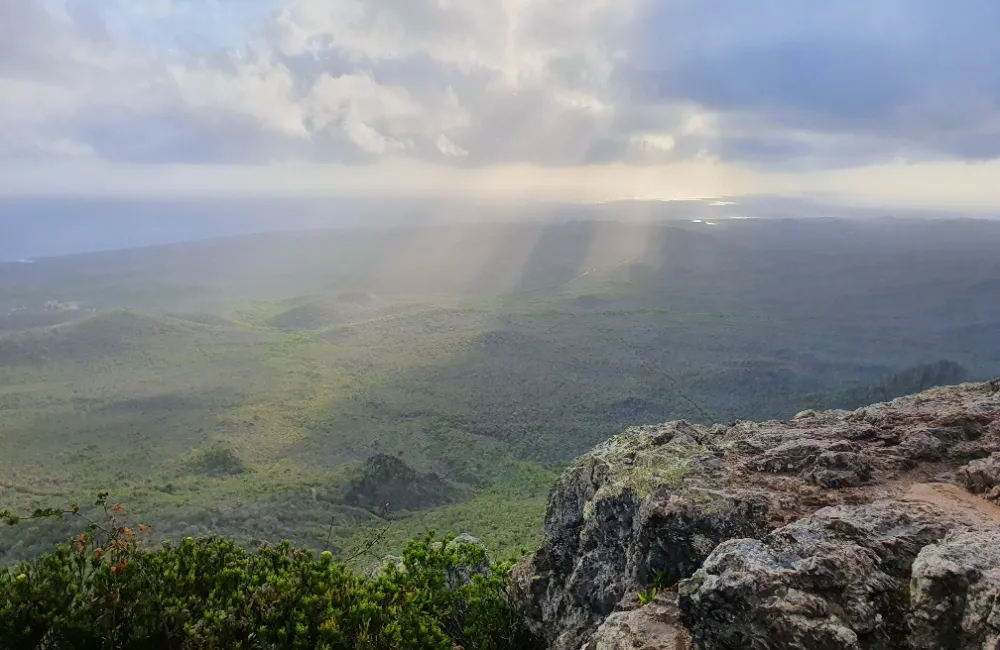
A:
(836, 579)
(629, 511)
(655, 626)
(982, 477)
(748, 507)
(955, 593)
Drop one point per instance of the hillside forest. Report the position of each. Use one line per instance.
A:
(325, 386)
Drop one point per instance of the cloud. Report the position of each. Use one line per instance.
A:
(257, 88)
(905, 78)
(775, 86)
(449, 148)
(458, 80)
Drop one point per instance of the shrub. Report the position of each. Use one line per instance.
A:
(103, 591)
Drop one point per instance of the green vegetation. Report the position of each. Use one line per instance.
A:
(912, 380)
(288, 386)
(104, 591)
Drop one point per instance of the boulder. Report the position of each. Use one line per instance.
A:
(633, 510)
(835, 580)
(982, 477)
(955, 593)
(922, 445)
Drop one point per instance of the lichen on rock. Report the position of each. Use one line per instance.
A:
(825, 531)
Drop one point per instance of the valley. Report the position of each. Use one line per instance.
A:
(283, 385)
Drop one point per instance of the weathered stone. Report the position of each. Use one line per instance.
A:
(839, 469)
(922, 445)
(982, 476)
(955, 593)
(631, 509)
(796, 455)
(655, 626)
(834, 580)
(465, 538)
(734, 508)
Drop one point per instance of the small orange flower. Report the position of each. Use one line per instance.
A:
(98, 552)
(118, 508)
(143, 528)
(127, 532)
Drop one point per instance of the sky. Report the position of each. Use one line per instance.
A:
(894, 101)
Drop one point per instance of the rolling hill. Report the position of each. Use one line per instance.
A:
(242, 386)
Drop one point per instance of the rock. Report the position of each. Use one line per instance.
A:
(955, 593)
(463, 575)
(963, 452)
(922, 445)
(655, 626)
(826, 463)
(796, 455)
(465, 538)
(839, 469)
(779, 533)
(629, 509)
(944, 477)
(982, 477)
(377, 569)
(834, 580)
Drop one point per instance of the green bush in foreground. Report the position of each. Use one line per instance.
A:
(103, 591)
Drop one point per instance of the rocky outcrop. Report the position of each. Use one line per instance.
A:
(982, 477)
(831, 530)
(836, 579)
(637, 509)
(955, 593)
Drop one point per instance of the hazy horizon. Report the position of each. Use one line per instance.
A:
(37, 227)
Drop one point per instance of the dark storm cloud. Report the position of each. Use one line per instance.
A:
(911, 74)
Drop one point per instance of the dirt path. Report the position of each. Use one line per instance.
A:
(954, 501)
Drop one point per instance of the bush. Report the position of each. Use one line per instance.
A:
(103, 591)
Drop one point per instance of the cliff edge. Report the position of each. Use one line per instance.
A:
(872, 529)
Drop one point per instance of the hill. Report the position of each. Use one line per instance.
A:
(239, 386)
(105, 335)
